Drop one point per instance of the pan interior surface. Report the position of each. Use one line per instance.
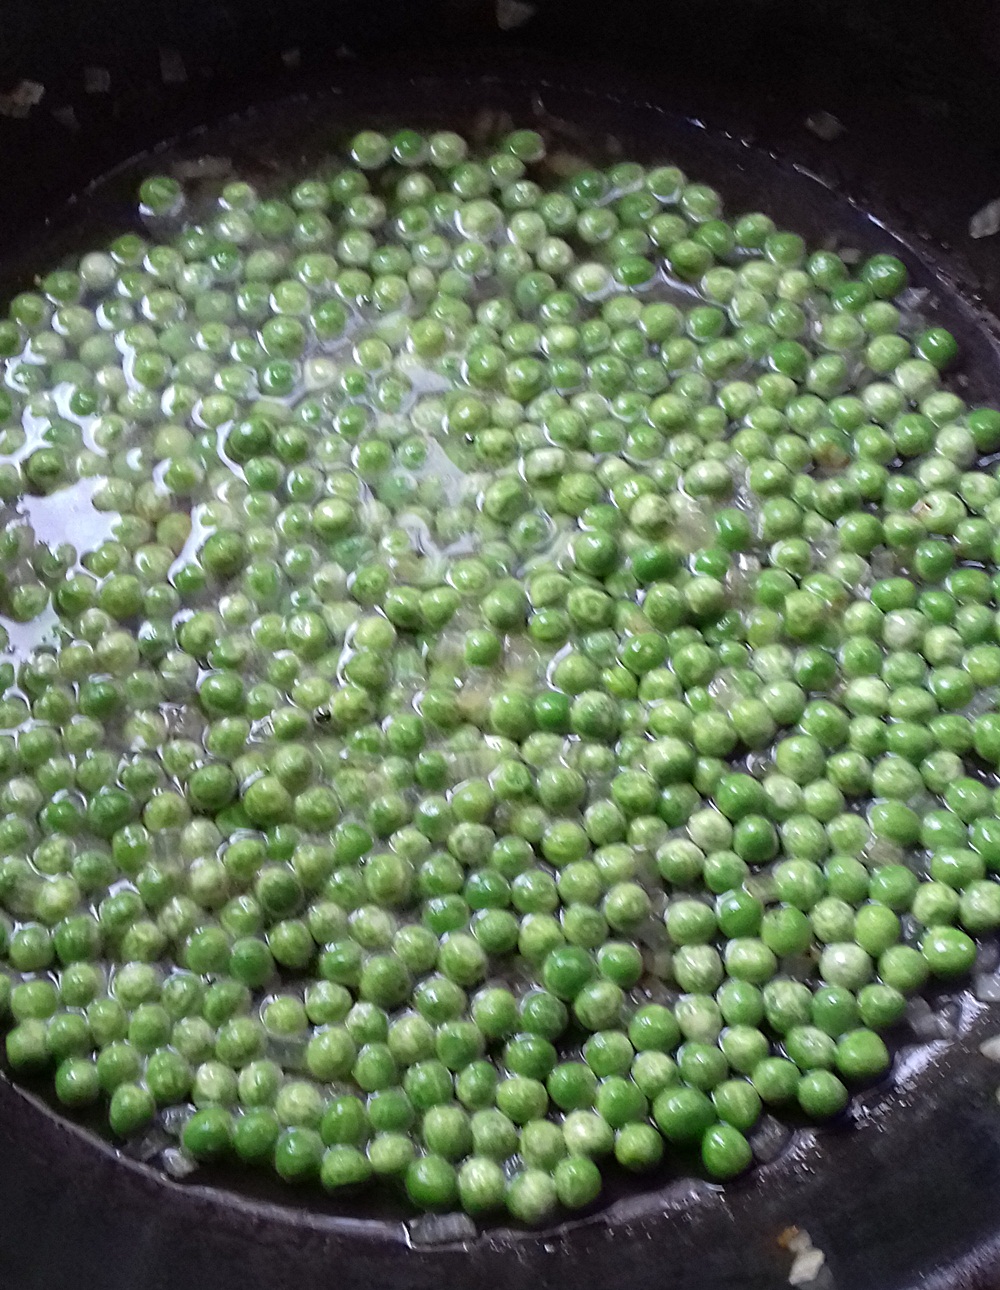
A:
(903, 1185)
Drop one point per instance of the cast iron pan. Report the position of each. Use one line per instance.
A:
(904, 1191)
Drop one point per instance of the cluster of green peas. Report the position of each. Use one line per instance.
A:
(530, 697)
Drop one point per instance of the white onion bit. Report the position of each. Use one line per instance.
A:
(986, 987)
(986, 220)
(178, 1164)
(769, 1139)
(807, 1267)
(442, 1229)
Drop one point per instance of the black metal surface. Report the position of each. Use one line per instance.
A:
(905, 1195)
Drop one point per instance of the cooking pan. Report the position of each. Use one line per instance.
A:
(881, 127)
